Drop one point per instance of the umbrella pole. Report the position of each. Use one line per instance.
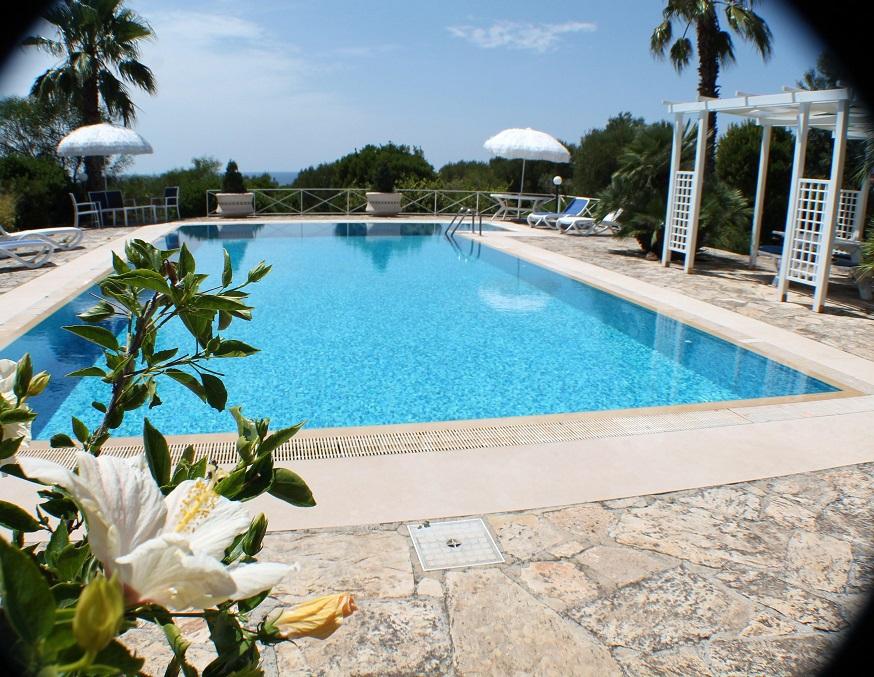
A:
(521, 184)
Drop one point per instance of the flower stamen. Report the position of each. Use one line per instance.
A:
(196, 506)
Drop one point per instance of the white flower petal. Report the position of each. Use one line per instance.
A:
(251, 579)
(122, 504)
(210, 522)
(164, 571)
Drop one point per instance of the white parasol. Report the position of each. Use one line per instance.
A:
(526, 144)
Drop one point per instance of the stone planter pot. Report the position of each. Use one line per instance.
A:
(235, 204)
(383, 204)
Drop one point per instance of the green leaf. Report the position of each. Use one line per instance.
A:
(70, 560)
(186, 261)
(279, 438)
(188, 381)
(179, 645)
(9, 446)
(217, 302)
(146, 279)
(23, 374)
(115, 659)
(80, 430)
(17, 415)
(99, 335)
(232, 484)
(157, 453)
(290, 487)
(246, 605)
(163, 355)
(61, 440)
(98, 312)
(259, 477)
(216, 394)
(228, 271)
(99, 406)
(13, 517)
(224, 319)
(88, 371)
(27, 600)
(60, 539)
(234, 348)
(118, 264)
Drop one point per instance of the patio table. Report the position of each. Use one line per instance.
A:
(518, 203)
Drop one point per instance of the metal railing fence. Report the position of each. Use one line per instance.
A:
(353, 201)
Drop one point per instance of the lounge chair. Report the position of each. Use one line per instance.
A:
(91, 209)
(577, 207)
(169, 203)
(61, 238)
(587, 225)
(30, 252)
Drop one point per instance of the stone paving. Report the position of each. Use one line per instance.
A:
(12, 274)
(757, 578)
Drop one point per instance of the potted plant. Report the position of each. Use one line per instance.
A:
(234, 200)
(383, 200)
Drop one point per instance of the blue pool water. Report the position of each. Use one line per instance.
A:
(386, 323)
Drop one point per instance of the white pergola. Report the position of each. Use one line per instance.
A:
(821, 214)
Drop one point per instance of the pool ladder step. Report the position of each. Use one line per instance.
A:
(459, 218)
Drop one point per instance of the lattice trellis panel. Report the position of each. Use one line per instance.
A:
(681, 211)
(847, 214)
(807, 232)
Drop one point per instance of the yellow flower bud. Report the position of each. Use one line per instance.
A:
(99, 613)
(316, 618)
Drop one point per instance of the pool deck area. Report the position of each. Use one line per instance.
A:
(730, 538)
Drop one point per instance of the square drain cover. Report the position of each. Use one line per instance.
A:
(459, 543)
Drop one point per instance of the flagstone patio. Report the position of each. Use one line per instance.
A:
(753, 578)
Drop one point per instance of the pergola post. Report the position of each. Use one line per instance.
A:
(676, 157)
(827, 234)
(697, 190)
(797, 171)
(761, 182)
(862, 208)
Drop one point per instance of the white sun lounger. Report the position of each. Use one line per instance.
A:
(62, 238)
(29, 252)
(586, 225)
(576, 207)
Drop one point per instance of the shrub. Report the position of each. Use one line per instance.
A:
(40, 187)
(383, 179)
(7, 211)
(232, 182)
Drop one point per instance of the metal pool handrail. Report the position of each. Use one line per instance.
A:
(348, 201)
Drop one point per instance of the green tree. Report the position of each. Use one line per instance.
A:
(358, 169)
(98, 44)
(714, 46)
(640, 188)
(38, 188)
(33, 128)
(597, 157)
(737, 164)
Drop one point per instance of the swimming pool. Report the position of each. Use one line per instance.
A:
(362, 324)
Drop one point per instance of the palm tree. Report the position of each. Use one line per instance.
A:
(714, 45)
(97, 43)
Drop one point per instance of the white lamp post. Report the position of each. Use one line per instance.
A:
(556, 181)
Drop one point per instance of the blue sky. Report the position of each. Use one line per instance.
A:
(279, 85)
